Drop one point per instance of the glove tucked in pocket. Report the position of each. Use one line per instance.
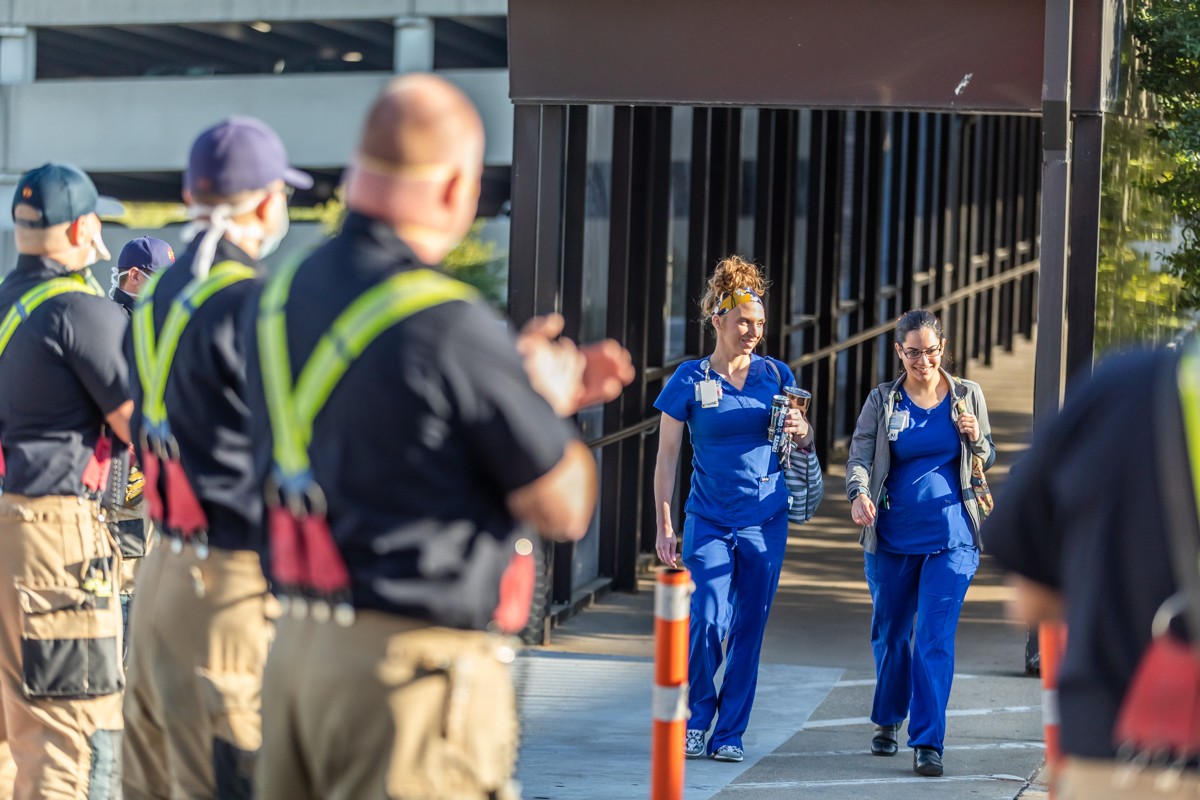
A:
(69, 643)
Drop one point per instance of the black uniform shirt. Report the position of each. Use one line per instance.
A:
(61, 375)
(1083, 513)
(421, 441)
(205, 401)
(125, 300)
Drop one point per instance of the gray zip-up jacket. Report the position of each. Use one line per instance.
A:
(871, 454)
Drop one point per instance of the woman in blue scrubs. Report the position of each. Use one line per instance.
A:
(735, 522)
(909, 482)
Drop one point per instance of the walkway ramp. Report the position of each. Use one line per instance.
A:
(585, 699)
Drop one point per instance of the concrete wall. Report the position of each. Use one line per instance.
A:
(139, 124)
(147, 124)
(149, 12)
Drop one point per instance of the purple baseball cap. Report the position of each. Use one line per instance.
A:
(147, 254)
(238, 155)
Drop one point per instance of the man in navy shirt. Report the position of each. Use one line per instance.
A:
(397, 492)
(1082, 525)
(63, 380)
(140, 259)
(202, 626)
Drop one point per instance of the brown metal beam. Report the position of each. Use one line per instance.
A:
(960, 55)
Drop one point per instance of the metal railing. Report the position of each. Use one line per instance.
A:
(649, 425)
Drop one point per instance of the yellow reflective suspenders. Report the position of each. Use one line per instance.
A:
(1189, 401)
(180, 510)
(154, 356)
(25, 305)
(38, 295)
(305, 561)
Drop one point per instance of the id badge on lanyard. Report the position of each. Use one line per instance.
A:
(708, 391)
(897, 423)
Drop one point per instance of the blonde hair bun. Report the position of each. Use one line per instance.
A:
(732, 273)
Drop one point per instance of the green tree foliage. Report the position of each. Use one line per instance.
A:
(1167, 33)
(1136, 300)
(475, 261)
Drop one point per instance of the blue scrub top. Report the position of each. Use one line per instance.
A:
(924, 512)
(736, 479)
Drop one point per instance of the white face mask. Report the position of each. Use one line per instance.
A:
(97, 251)
(272, 240)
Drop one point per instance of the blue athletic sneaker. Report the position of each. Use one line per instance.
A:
(695, 743)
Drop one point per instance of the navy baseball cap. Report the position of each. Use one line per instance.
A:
(58, 193)
(238, 155)
(147, 254)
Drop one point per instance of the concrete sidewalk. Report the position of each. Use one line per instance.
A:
(586, 697)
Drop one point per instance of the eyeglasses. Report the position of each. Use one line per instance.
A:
(913, 354)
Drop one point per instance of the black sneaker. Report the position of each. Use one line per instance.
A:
(1033, 666)
(927, 762)
(883, 743)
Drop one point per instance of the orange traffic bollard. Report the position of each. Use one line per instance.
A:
(1052, 643)
(672, 601)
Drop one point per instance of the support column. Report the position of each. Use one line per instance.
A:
(1056, 211)
(18, 55)
(17, 66)
(8, 248)
(1084, 259)
(414, 44)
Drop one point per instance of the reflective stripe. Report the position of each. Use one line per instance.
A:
(35, 297)
(292, 409)
(1189, 400)
(155, 355)
(672, 603)
(669, 703)
(1050, 715)
(277, 371)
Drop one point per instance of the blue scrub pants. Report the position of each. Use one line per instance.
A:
(914, 665)
(736, 572)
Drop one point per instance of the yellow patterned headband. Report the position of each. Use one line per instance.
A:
(736, 298)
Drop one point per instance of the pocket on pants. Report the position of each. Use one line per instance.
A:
(69, 643)
(481, 720)
(233, 701)
(131, 537)
(472, 734)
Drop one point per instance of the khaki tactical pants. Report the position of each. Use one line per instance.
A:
(60, 644)
(387, 708)
(201, 629)
(1089, 779)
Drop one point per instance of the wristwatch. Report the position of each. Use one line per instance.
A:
(855, 492)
